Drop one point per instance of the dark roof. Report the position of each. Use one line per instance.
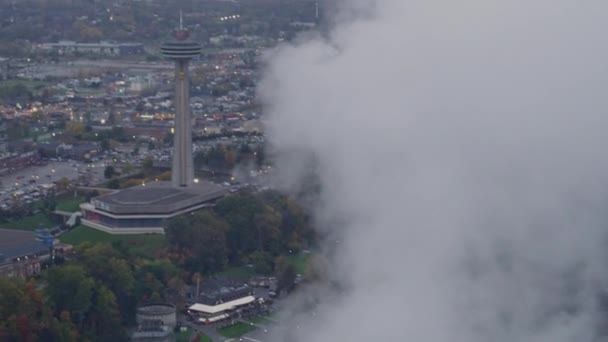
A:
(17, 243)
(225, 295)
(158, 198)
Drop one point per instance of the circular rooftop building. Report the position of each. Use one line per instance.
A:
(164, 313)
(181, 47)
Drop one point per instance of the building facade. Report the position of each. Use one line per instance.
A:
(66, 47)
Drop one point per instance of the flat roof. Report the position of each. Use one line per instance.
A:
(213, 309)
(158, 198)
(16, 243)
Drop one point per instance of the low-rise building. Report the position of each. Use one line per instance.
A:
(146, 208)
(14, 162)
(101, 48)
(21, 253)
(212, 308)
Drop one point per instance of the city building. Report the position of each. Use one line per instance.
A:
(101, 48)
(146, 208)
(212, 308)
(21, 253)
(10, 163)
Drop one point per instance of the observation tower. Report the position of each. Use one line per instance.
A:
(181, 50)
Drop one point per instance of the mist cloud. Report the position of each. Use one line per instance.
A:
(460, 146)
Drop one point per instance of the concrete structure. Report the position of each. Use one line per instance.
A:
(164, 313)
(153, 331)
(155, 322)
(146, 208)
(219, 306)
(182, 50)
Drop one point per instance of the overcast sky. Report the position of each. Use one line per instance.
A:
(461, 148)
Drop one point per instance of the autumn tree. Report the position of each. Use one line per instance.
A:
(69, 288)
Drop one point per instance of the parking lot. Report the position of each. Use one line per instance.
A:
(29, 181)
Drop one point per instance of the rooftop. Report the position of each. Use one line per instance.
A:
(16, 243)
(213, 309)
(158, 198)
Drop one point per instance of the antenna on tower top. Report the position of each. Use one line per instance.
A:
(181, 21)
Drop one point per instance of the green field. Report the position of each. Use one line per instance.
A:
(144, 245)
(237, 273)
(29, 223)
(185, 336)
(260, 320)
(70, 204)
(236, 330)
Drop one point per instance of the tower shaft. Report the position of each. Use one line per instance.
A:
(183, 168)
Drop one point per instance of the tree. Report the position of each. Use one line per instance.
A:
(202, 238)
(262, 262)
(147, 165)
(24, 315)
(75, 128)
(63, 184)
(267, 223)
(105, 322)
(69, 288)
(253, 225)
(114, 184)
(127, 168)
(286, 278)
(109, 172)
(239, 212)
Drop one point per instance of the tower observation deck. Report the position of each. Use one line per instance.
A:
(146, 208)
(181, 50)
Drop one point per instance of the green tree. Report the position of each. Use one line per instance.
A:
(69, 288)
(127, 168)
(147, 165)
(105, 321)
(286, 277)
(63, 184)
(253, 225)
(262, 262)
(202, 237)
(109, 172)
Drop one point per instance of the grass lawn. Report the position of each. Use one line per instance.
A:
(237, 273)
(185, 336)
(144, 245)
(236, 330)
(29, 223)
(260, 320)
(70, 203)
